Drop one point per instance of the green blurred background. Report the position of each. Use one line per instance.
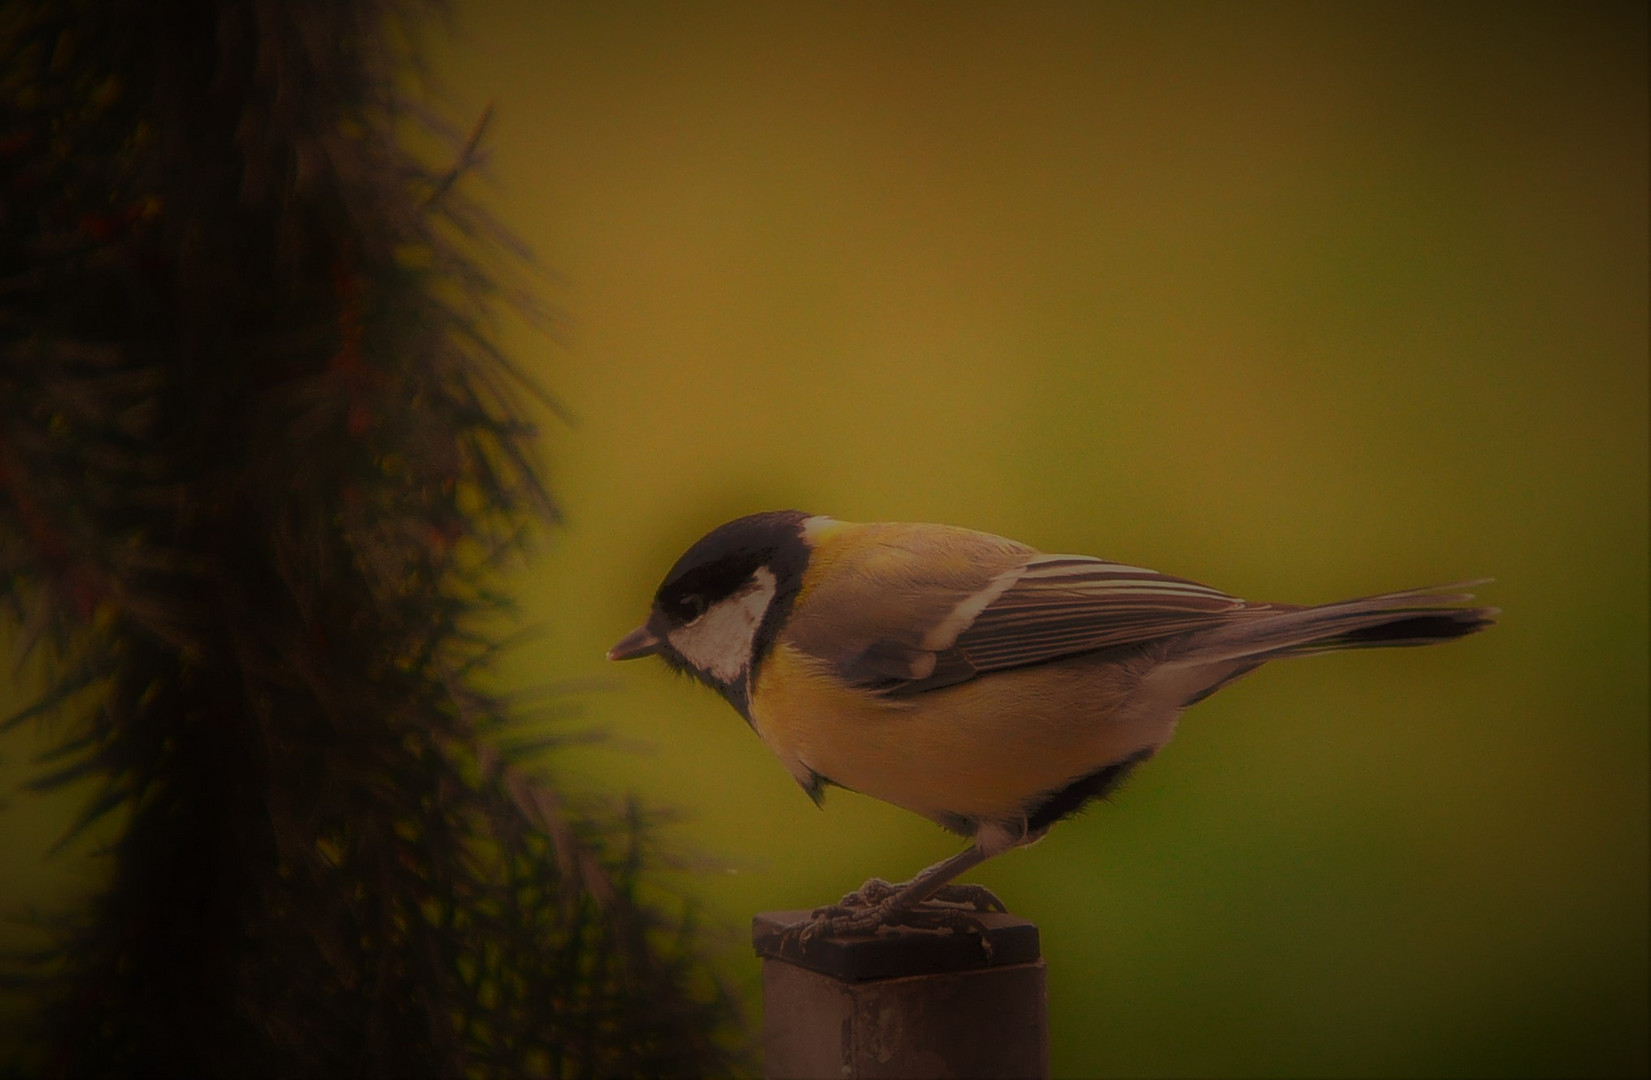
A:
(1304, 301)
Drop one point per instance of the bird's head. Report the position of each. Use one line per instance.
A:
(716, 614)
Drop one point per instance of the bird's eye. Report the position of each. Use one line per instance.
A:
(691, 606)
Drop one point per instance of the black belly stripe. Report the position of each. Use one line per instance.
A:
(1071, 798)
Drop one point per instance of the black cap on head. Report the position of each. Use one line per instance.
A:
(723, 560)
(722, 565)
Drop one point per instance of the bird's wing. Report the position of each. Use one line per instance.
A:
(911, 611)
(1065, 604)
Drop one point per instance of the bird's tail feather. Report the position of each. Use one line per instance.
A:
(1412, 617)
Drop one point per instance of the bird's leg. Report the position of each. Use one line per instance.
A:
(933, 883)
(878, 903)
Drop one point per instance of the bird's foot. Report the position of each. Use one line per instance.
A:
(872, 893)
(838, 921)
(877, 891)
(975, 897)
(876, 904)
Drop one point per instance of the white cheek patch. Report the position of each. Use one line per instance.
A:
(719, 641)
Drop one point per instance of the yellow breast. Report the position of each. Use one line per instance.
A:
(985, 749)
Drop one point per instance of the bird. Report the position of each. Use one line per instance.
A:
(972, 679)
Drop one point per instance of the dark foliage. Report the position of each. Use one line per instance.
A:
(258, 457)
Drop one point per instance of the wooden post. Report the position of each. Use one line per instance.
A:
(903, 1003)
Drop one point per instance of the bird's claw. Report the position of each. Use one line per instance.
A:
(876, 892)
(975, 897)
(953, 908)
(872, 893)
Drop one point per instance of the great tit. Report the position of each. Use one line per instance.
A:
(971, 679)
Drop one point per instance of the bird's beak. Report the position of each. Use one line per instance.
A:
(639, 642)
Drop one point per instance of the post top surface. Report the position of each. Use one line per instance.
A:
(894, 952)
